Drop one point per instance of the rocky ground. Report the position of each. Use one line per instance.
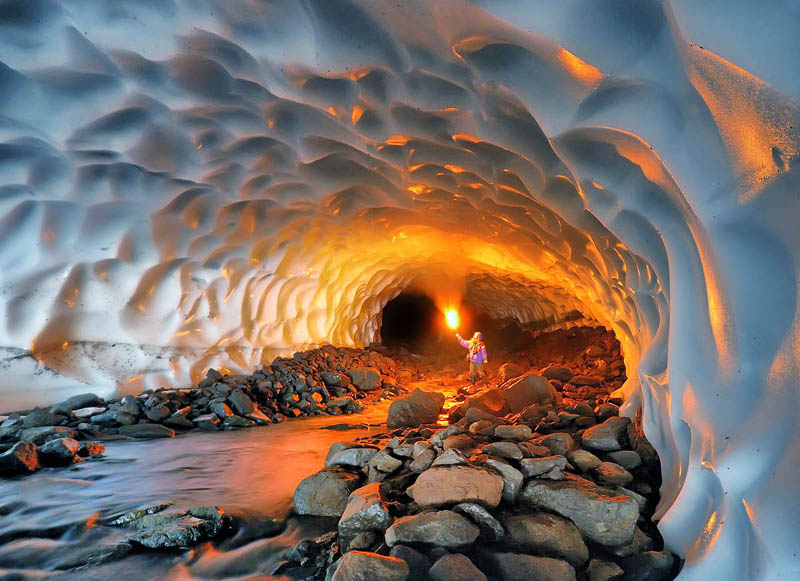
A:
(329, 380)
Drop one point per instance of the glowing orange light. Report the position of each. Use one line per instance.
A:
(451, 316)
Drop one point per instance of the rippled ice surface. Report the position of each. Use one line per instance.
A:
(253, 471)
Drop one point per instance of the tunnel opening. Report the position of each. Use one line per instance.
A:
(411, 320)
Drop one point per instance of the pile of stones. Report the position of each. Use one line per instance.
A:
(521, 484)
(324, 381)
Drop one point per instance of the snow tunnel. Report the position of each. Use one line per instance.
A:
(189, 185)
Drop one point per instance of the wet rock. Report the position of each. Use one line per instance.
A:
(455, 484)
(583, 460)
(603, 570)
(365, 378)
(221, 409)
(60, 452)
(613, 474)
(158, 412)
(504, 450)
(259, 417)
(83, 400)
(325, 493)
(241, 403)
(509, 371)
(561, 374)
(628, 459)
(163, 530)
(20, 459)
(518, 433)
(514, 567)
(491, 529)
(83, 413)
(207, 422)
(420, 407)
(512, 478)
(442, 528)
(418, 564)
(601, 514)
(528, 390)
(88, 449)
(44, 434)
(455, 567)
(113, 418)
(546, 534)
(133, 515)
(180, 419)
(146, 431)
(559, 443)
(127, 405)
(39, 417)
(535, 467)
(366, 510)
(356, 457)
(363, 566)
(235, 421)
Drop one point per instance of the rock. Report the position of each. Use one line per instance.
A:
(641, 444)
(533, 467)
(605, 411)
(455, 567)
(477, 415)
(59, 452)
(363, 566)
(601, 515)
(586, 380)
(603, 570)
(418, 564)
(113, 418)
(44, 434)
(439, 437)
(83, 413)
(39, 417)
(546, 534)
(518, 433)
(180, 419)
(127, 405)
(83, 400)
(490, 401)
(451, 457)
(241, 403)
(504, 450)
(509, 371)
(561, 374)
(600, 437)
(147, 431)
(20, 459)
(641, 542)
(176, 530)
(595, 350)
(613, 474)
(528, 390)
(514, 567)
(512, 478)
(384, 462)
(583, 460)
(491, 529)
(221, 409)
(422, 462)
(420, 407)
(356, 457)
(133, 515)
(259, 417)
(365, 378)
(640, 500)
(559, 443)
(207, 422)
(325, 493)
(237, 422)
(533, 414)
(482, 427)
(459, 442)
(455, 484)
(87, 449)
(442, 528)
(650, 565)
(332, 379)
(366, 510)
(158, 412)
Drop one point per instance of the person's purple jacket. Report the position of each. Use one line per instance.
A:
(479, 356)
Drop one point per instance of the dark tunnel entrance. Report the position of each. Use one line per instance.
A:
(410, 319)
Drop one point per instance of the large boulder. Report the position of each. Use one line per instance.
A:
(59, 452)
(509, 371)
(363, 566)
(514, 567)
(546, 534)
(325, 493)
(366, 510)
(20, 459)
(241, 402)
(443, 485)
(528, 390)
(365, 378)
(83, 400)
(420, 407)
(602, 515)
(442, 528)
(490, 401)
(155, 529)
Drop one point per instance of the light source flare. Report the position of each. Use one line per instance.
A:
(451, 316)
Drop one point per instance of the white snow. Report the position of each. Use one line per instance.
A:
(194, 184)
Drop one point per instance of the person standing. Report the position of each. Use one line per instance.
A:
(476, 356)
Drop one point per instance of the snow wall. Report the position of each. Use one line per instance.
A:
(196, 183)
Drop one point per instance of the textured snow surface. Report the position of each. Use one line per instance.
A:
(197, 183)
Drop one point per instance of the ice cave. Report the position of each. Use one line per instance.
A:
(191, 190)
